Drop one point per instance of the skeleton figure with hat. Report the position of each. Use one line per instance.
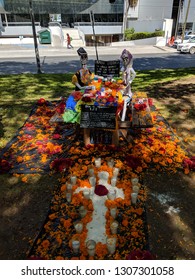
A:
(128, 75)
(82, 78)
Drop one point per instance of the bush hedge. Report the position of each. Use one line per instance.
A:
(131, 35)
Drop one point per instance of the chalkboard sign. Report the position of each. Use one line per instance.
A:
(98, 117)
(107, 68)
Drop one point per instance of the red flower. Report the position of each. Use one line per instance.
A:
(86, 99)
(56, 136)
(41, 101)
(110, 99)
(61, 107)
(29, 126)
(140, 255)
(133, 161)
(101, 190)
(140, 107)
(189, 162)
(61, 164)
(150, 101)
(5, 166)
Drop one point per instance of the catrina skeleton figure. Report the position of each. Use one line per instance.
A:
(82, 78)
(128, 75)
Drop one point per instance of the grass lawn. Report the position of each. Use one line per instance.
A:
(20, 92)
(24, 206)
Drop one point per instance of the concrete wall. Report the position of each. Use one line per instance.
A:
(191, 14)
(102, 29)
(150, 15)
(19, 30)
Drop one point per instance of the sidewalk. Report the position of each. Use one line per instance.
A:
(27, 50)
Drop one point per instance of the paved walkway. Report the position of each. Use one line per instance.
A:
(27, 50)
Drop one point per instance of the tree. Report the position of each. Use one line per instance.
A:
(127, 4)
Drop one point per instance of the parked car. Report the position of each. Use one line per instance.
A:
(188, 47)
(185, 40)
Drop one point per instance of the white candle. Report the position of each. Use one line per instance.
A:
(91, 172)
(114, 227)
(73, 180)
(115, 172)
(110, 162)
(78, 227)
(135, 189)
(134, 198)
(134, 181)
(105, 176)
(113, 181)
(111, 194)
(68, 196)
(111, 244)
(92, 181)
(113, 212)
(91, 244)
(86, 193)
(98, 162)
(75, 245)
(68, 187)
(82, 211)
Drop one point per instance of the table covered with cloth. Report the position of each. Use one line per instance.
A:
(102, 93)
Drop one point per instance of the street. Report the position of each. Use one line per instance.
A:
(66, 64)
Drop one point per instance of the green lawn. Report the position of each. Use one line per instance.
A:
(19, 92)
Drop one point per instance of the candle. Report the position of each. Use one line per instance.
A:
(78, 227)
(111, 244)
(113, 212)
(113, 181)
(86, 193)
(134, 198)
(104, 176)
(110, 162)
(98, 162)
(92, 191)
(115, 172)
(91, 171)
(82, 211)
(91, 244)
(68, 187)
(73, 180)
(135, 189)
(134, 181)
(75, 245)
(111, 194)
(92, 181)
(113, 227)
(69, 196)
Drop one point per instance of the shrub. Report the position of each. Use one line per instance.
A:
(129, 35)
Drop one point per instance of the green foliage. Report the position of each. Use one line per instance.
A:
(129, 31)
(20, 92)
(129, 35)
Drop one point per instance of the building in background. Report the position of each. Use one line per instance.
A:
(148, 15)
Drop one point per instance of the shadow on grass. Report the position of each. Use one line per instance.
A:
(170, 214)
(24, 208)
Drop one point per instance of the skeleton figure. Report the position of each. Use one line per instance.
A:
(82, 77)
(128, 75)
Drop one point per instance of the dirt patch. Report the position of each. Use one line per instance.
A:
(170, 215)
(170, 203)
(23, 209)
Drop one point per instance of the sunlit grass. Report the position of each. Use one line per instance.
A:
(18, 93)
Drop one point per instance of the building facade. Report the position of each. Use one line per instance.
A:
(148, 15)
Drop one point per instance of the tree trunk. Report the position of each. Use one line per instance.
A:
(127, 5)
